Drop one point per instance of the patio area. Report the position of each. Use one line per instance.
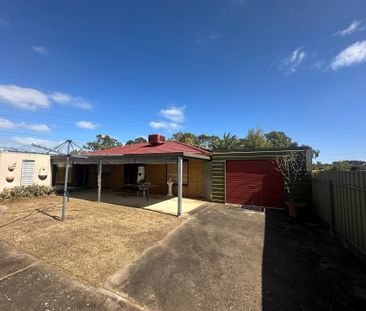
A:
(156, 203)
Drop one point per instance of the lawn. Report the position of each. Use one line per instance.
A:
(95, 240)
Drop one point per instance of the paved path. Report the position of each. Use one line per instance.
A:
(233, 259)
(26, 284)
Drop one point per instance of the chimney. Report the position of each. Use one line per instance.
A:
(156, 139)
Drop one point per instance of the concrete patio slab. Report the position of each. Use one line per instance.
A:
(156, 203)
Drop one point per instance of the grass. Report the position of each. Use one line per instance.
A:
(95, 240)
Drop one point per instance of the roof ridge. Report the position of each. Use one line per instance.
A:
(191, 146)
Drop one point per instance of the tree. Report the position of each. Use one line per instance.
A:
(102, 142)
(227, 142)
(255, 139)
(137, 140)
(185, 137)
(206, 141)
(277, 139)
(292, 167)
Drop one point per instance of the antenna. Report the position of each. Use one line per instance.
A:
(58, 150)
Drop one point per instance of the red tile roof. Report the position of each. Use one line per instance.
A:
(146, 148)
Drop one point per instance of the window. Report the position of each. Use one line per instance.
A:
(172, 171)
(27, 173)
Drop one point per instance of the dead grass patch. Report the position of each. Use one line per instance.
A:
(95, 240)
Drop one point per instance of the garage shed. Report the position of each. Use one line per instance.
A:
(251, 177)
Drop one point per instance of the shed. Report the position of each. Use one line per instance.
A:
(251, 177)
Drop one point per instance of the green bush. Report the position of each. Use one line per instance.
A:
(26, 192)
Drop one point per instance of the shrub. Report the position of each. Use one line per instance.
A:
(26, 192)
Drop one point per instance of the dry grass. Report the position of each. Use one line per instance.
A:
(95, 240)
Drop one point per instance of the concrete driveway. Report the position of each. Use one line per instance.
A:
(233, 259)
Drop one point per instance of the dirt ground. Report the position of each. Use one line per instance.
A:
(95, 240)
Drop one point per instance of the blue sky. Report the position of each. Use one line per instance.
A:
(73, 69)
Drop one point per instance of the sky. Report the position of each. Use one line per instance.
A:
(73, 69)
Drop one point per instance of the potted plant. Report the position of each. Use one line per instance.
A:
(293, 168)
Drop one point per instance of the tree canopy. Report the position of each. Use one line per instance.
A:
(136, 141)
(102, 142)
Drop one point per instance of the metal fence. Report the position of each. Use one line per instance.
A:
(339, 198)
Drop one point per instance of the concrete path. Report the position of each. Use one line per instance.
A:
(26, 284)
(233, 259)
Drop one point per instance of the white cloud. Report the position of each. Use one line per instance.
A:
(4, 22)
(34, 127)
(87, 125)
(206, 39)
(354, 54)
(32, 99)
(164, 125)
(355, 26)
(6, 124)
(74, 101)
(40, 49)
(175, 114)
(293, 61)
(25, 143)
(23, 98)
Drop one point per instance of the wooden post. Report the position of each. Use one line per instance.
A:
(100, 168)
(331, 207)
(180, 185)
(65, 197)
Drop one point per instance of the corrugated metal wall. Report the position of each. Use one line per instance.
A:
(303, 187)
(340, 200)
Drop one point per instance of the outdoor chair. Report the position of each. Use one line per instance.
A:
(144, 188)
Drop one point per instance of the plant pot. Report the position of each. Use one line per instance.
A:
(295, 208)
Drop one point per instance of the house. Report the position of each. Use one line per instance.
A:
(235, 177)
(155, 161)
(24, 168)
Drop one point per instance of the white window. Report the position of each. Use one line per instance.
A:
(27, 172)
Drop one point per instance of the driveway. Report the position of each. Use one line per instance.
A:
(227, 258)
(222, 258)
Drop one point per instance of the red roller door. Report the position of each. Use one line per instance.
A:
(254, 182)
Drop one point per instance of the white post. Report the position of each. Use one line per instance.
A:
(100, 167)
(180, 185)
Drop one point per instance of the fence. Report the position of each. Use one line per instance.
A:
(339, 198)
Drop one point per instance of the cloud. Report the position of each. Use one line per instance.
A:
(23, 98)
(4, 22)
(74, 101)
(355, 26)
(174, 118)
(206, 39)
(35, 127)
(354, 54)
(40, 49)
(7, 125)
(32, 99)
(25, 143)
(175, 114)
(293, 61)
(169, 126)
(87, 125)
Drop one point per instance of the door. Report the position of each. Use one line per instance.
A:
(27, 173)
(254, 182)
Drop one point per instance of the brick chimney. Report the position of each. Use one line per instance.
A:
(156, 139)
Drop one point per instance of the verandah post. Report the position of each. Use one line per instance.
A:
(180, 185)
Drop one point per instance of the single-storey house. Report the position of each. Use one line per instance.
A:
(235, 177)
(24, 168)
